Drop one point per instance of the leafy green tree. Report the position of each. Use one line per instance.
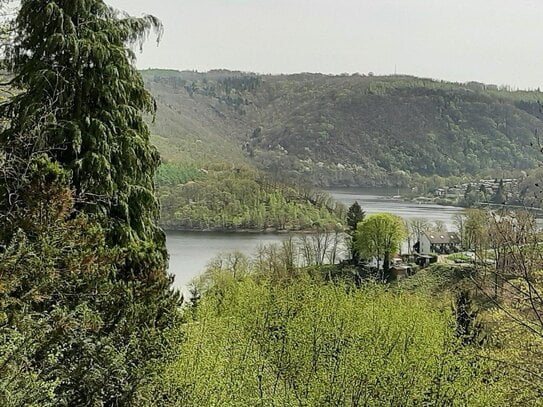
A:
(380, 236)
(476, 228)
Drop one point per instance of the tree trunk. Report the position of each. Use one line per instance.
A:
(386, 267)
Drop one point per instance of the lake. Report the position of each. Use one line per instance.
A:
(190, 252)
(375, 200)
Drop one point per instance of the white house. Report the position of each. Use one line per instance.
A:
(439, 242)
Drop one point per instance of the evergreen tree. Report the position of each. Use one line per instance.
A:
(83, 100)
(83, 279)
(355, 214)
(499, 197)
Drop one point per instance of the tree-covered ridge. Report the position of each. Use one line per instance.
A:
(226, 197)
(353, 130)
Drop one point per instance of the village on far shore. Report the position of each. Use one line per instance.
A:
(428, 242)
(512, 192)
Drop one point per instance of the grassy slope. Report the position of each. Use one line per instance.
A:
(345, 130)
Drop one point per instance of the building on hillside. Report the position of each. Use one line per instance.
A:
(439, 242)
(373, 263)
(423, 260)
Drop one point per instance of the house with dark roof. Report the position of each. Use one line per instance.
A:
(439, 242)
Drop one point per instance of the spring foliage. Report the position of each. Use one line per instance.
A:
(380, 236)
(241, 198)
(258, 342)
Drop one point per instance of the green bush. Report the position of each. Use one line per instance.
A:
(460, 257)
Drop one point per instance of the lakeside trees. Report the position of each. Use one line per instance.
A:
(223, 198)
(380, 236)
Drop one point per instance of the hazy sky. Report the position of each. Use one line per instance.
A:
(492, 41)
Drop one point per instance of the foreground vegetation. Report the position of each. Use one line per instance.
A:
(267, 331)
(255, 341)
(505, 323)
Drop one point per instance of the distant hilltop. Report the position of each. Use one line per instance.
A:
(346, 130)
(221, 73)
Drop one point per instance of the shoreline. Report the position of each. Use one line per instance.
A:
(271, 231)
(437, 201)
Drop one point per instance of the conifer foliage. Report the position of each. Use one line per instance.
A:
(83, 99)
(85, 299)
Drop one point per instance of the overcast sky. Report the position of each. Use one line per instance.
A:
(492, 41)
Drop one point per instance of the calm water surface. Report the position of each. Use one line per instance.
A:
(379, 200)
(190, 252)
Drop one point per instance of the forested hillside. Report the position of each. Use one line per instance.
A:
(226, 198)
(347, 129)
